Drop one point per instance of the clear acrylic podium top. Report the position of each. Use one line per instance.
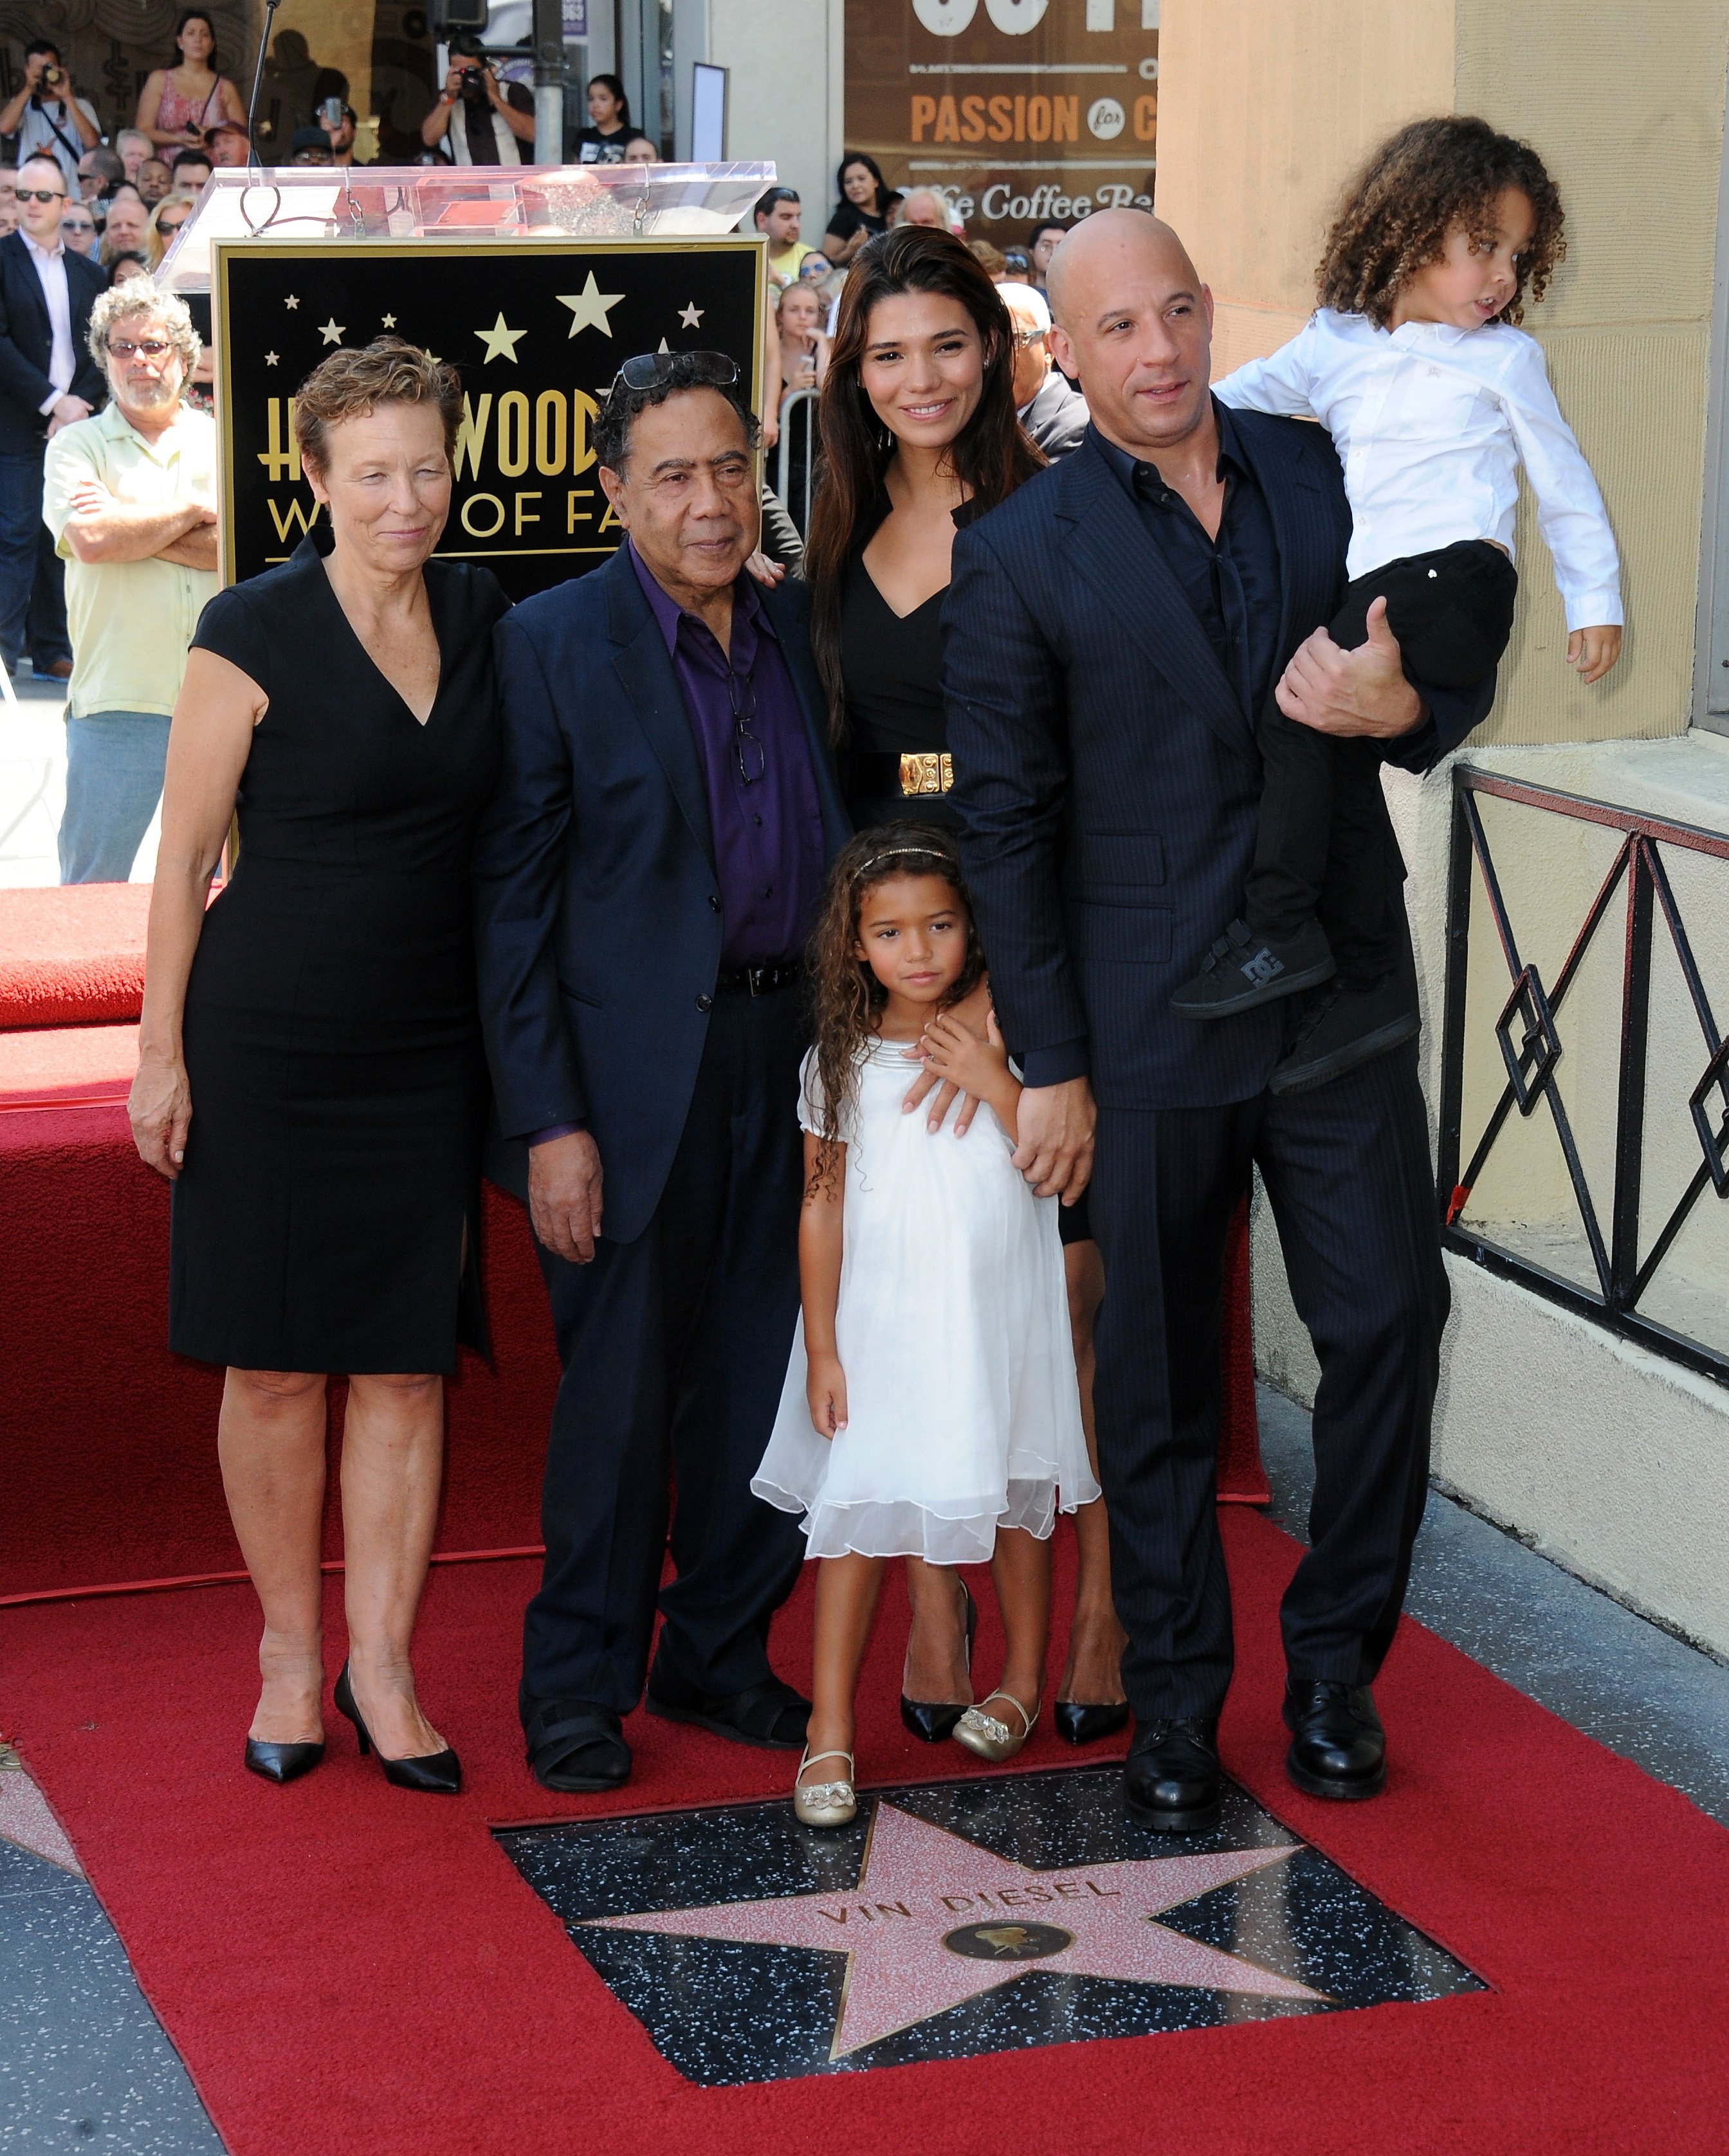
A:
(469, 203)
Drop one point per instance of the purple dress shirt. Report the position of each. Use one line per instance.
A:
(748, 725)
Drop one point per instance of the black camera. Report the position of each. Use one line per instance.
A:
(472, 85)
(51, 77)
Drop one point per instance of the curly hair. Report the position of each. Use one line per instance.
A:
(847, 998)
(1432, 178)
(138, 299)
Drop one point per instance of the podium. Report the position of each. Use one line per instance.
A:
(536, 283)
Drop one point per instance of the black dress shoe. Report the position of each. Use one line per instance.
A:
(1347, 1027)
(1078, 1724)
(770, 1716)
(1244, 971)
(1172, 1779)
(576, 1748)
(934, 1721)
(1338, 1747)
(281, 1763)
(434, 1773)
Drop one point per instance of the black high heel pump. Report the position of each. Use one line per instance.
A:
(440, 1773)
(933, 1723)
(281, 1763)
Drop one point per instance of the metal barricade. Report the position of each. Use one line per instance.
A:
(795, 456)
(1603, 1195)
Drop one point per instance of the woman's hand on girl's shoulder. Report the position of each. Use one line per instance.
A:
(825, 1390)
(766, 571)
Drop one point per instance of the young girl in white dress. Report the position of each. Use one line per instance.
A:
(931, 1408)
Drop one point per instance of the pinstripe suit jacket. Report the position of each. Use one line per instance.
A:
(1106, 776)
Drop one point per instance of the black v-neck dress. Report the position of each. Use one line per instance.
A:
(332, 1032)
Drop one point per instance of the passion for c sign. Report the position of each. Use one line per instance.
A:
(1068, 125)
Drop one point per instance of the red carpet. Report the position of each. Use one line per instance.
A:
(108, 1442)
(348, 1969)
(72, 955)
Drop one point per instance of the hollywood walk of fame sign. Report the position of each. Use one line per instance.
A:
(959, 1918)
(537, 329)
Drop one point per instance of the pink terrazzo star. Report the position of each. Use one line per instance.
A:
(935, 1920)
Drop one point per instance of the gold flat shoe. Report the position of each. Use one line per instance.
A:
(825, 1803)
(990, 1739)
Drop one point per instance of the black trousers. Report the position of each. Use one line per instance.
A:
(1322, 851)
(674, 1349)
(1346, 1170)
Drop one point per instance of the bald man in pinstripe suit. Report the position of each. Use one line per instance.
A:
(1110, 633)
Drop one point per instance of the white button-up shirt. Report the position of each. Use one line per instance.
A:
(51, 274)
(1432, 424)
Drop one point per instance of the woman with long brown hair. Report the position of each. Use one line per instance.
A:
(919, 436)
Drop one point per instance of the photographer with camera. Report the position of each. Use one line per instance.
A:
(47, 116)
(479, 120)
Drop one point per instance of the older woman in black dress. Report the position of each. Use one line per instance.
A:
(311, 1075)
(919, 436)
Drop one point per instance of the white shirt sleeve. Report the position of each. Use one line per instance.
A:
(1282, 383)
(1570, 512)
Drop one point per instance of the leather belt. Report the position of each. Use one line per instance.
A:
(758, 980)
(918, 771)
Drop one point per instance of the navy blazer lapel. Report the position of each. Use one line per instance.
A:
(644, 664)
(26, 283)
(793, 633)
(1109, 542)
(1279, 479)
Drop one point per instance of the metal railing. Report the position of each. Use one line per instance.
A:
(794, 481)
(1534, 1060)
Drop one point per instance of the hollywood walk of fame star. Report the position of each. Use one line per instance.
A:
(500, 342)
(292, 300)
(270, 359)
(388, 321)
(588, 308)
(935, 1920)
(691, 315)
(332, 331)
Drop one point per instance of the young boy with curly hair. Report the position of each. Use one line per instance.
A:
(1434, 399)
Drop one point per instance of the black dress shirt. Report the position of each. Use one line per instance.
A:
(1232, 583)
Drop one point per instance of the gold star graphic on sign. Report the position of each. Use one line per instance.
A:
(292, 300)
(589, 307)
(691, 315)
(388, 321)
(332, 331)
(500, 342)
(269, 359)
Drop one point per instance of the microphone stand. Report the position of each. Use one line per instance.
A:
(258, 75)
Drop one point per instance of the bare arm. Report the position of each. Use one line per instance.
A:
(842, 251)
(232, 108)
(207, 746)
(436, 125)
(521, 124)
(101, 529)
(196, 550)
(819, 1244)
(88, 133)
(12, 113)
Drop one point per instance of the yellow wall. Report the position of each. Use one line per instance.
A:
(1264, 109)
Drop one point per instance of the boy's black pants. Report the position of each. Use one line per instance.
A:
(1320, 851)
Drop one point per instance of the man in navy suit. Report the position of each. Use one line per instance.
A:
(648, 874)
(1112, 631)
(48, 380)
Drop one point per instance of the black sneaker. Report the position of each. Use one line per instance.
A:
(1244, 971)
(1347, 1027)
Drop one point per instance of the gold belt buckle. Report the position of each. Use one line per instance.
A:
(926, 770)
